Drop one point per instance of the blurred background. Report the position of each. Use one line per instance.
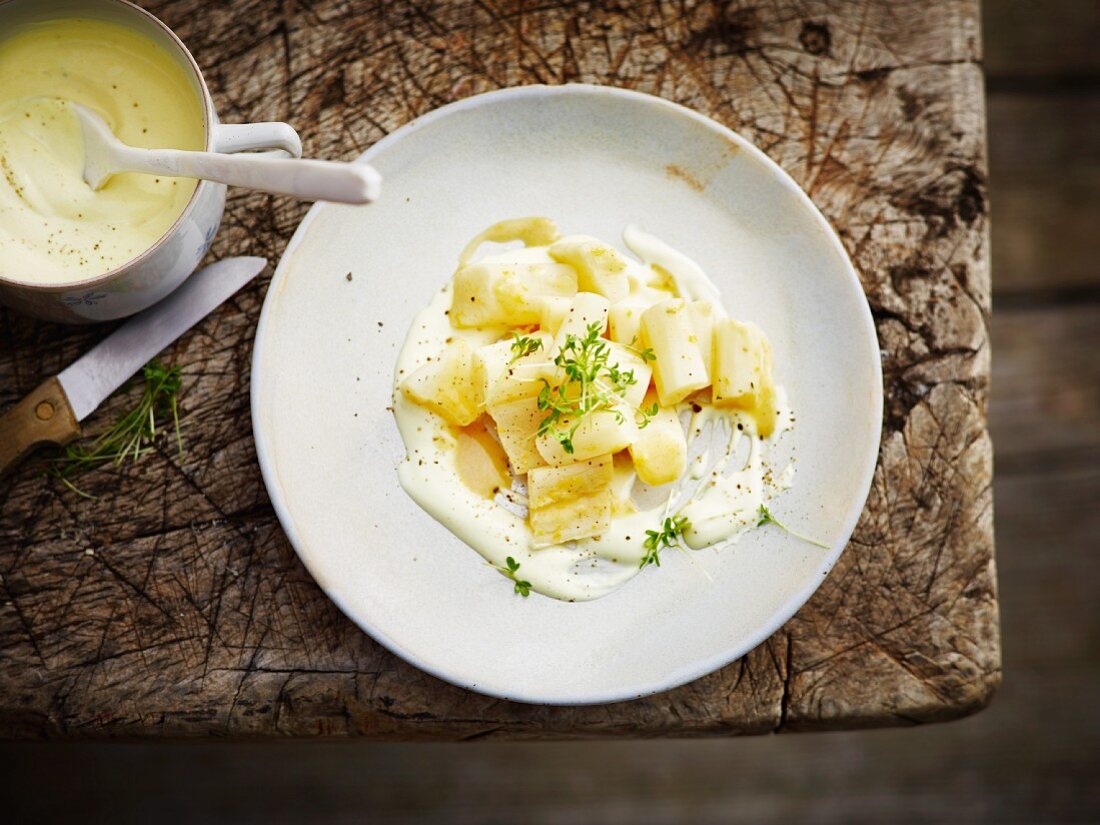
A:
(1031, 757)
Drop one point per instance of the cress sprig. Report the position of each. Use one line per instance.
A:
(592, 384)
(132, 435)
(672, 530)
(521, 586)
(646, 354)
(765, 517)
(523, 345)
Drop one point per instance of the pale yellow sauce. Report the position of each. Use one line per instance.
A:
(53, 227)
(721, 491)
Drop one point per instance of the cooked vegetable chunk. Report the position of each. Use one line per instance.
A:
(552, 312)
(743, 372)
(517, 424)
(702, 322)
(599, 432)
(568, 503)
(587, 309)
(447, 385)
(505, 374)
(600, 268)
(679, 368)
(631, 361)
(507, 293)
(480, 461)
(622, 485)
(660, 450)
(625, 322)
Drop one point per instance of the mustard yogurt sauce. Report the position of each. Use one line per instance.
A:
(727, 480)
(53, 227)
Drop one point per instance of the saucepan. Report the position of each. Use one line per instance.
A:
(163, 266)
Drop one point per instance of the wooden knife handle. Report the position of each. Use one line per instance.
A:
(43, 417)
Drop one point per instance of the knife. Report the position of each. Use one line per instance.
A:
(52, 413)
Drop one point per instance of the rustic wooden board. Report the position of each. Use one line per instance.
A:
(174, 605)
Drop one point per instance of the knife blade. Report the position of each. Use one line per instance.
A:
(50, 414)
(90, 379)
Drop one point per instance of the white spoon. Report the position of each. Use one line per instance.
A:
(105, 155)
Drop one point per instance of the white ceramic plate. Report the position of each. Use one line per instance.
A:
(595, 159)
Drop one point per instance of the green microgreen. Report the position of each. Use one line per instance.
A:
(765, 517)
(647, 413)
(646, 354)
(668, 536)
(522, 587)
(591, 385)
(523, 345)
(133, 434)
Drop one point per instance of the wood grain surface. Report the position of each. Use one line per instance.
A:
(173, 606)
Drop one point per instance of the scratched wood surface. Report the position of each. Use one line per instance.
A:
(173, 606)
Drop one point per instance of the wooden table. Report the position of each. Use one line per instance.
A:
(174, 607)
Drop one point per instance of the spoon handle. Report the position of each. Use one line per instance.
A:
(318, 180)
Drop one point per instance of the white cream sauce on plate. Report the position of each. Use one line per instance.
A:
(728, 477)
